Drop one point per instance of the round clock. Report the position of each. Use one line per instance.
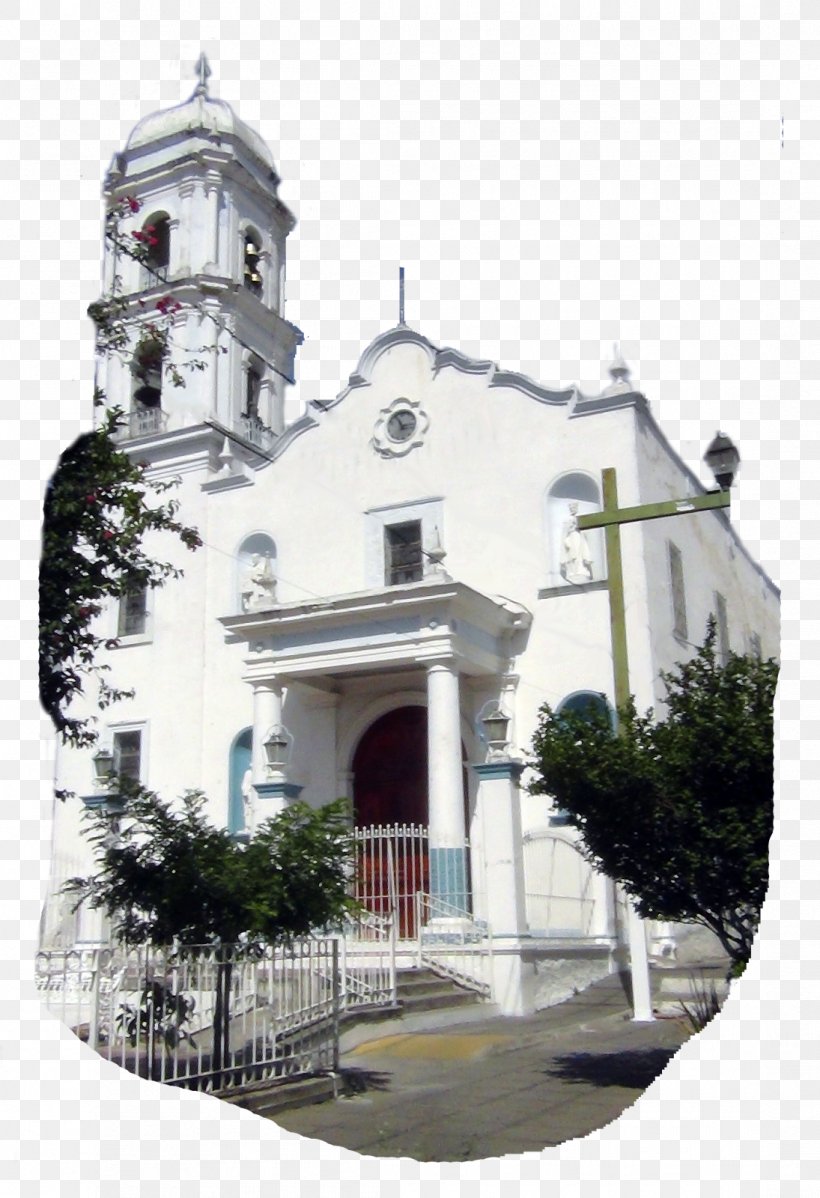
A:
(401, 425)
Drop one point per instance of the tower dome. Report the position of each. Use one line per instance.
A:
(200, 116)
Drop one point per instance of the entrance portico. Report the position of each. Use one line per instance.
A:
(444, 630)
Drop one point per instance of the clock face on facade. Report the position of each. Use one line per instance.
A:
(401, 425)
(400, 428)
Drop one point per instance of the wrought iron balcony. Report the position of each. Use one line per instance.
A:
(142, 422)
(251, 429)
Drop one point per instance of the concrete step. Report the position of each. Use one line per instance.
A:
(271, 1097)
(425, 990)
(439, 1002)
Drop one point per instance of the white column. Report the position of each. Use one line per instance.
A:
(267, 712)
(445, 770)
(448, 865)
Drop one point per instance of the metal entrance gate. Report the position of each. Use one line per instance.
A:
(392, 867)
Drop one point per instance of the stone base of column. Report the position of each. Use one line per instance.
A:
(271, 798)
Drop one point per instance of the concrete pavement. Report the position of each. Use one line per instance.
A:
(493, 1087)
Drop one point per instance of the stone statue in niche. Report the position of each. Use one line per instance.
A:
(247, 796)
(576, 558)
(259, 585)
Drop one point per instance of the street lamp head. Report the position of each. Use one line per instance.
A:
(495, 724)
(277, 745)
(103, 761)
(723, 459)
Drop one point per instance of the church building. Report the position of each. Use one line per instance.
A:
(390, 586)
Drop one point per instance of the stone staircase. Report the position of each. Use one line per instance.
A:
(422, 989)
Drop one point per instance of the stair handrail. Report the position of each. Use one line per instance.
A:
(466, 938)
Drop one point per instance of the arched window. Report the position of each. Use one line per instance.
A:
(574, 557)
(239, 779)
(585, 702)
(251, 269)
(146, 392)
(256, 574)
(156, 238)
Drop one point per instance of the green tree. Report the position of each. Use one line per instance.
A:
(99, 506)
(678, 810)
(167, 875)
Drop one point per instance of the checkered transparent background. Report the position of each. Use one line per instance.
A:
(551, 185)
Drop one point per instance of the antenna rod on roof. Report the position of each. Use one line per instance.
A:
(401, 295)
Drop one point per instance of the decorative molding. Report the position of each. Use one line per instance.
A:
(598, 584)
(527, 386)
(509, 770)
(387, 446)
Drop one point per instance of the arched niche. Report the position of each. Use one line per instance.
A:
(239, 762)
(574, 557)
(255, 585)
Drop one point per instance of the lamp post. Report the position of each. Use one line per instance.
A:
(723, 459)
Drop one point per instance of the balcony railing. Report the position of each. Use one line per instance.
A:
(251, 429)
(142, 422)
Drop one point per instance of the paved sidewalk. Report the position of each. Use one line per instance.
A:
(496, 1086)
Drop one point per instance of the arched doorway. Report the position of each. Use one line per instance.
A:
(391, 813)
(390, 770)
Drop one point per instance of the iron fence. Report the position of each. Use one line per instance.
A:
(216, 1017)
(392, 866)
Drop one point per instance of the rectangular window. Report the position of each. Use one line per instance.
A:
(133, 614)
(722, 618)
(679, 625)
(402, 553)
(755, 647)
(127, 750)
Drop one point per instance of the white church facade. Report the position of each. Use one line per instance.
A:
(381, 573)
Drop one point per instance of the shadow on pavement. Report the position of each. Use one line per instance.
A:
(634, 1069)
(359, 1081)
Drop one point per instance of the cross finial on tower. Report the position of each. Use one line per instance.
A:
(203, 71)
(401, 295)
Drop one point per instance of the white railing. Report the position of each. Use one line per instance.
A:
(253, 430)
(392, 865)
(368, 962)
(213, 1018)
(452, 942)
(141, 423)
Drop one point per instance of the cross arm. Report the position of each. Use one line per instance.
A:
(655, 511)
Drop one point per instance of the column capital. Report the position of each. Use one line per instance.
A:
(270, 686)
(441, 664)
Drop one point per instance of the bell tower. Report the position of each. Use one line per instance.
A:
(200, 194)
